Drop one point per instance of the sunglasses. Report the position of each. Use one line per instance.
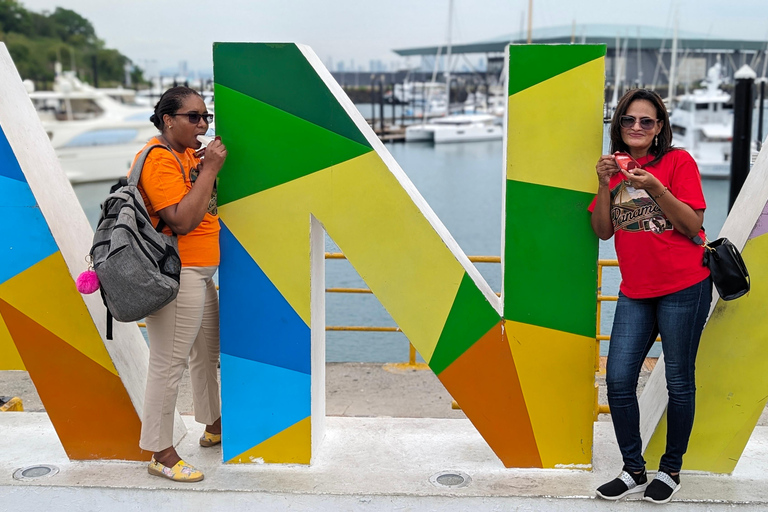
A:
(194, 117)
(646, 123)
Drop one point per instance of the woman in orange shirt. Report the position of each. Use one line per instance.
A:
(187, 329)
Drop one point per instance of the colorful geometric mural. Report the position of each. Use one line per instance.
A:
(732, 364)
(299, 151)
(43, 318)
(52, 330)
(550, 250)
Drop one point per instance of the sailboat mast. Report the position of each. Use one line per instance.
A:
(625, 65)
(448, 55)
(616, 72)
(530, 21)
(673, 67)
(639, 61)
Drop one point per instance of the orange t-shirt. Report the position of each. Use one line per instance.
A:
(163, 184)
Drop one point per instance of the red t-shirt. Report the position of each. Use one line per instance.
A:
(654, 258)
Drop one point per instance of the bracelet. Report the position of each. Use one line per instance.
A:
(662, 193)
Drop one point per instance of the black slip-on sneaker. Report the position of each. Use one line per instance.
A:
(663, 487)
(626, 483)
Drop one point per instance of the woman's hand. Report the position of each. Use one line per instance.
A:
(643, 180)
(215, 154)
(601, 219)
(187, 214)
(606, 167)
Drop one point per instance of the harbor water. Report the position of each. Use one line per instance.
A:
(463, 184)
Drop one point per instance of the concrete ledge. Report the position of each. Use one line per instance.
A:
(364, 463)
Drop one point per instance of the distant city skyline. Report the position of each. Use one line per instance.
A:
(158, 36)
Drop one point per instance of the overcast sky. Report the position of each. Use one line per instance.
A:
(160, 33)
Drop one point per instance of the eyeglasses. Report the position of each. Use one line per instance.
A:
(646, 123)
(194, 117)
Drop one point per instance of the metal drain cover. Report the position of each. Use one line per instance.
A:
(33, 472)
(450, 479)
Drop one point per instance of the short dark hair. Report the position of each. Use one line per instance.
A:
(170, 103)
(664, 145)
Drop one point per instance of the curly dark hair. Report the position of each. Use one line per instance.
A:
(664, 145)
(170, 103)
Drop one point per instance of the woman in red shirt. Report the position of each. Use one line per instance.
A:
(652, 212)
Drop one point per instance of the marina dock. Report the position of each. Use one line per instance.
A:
(392, 134)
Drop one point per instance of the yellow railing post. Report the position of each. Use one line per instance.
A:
(412, 364)
(411, 350)
(601, 264)
(599, 313)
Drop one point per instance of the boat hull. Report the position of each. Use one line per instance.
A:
(441, 134)
(420, 133)
(468, 134)
(97, 163)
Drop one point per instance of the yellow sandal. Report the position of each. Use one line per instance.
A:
(209, 439)
(180, 472)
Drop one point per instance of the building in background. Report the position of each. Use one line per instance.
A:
(642, 55)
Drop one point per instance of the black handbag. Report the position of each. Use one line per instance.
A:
(729, 273)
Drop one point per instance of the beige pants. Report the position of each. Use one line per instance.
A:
(187, 329)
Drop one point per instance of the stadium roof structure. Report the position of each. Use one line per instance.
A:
(651, 38)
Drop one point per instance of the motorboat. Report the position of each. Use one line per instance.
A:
(408, 92)
(456, 128)
(95, 136)
(423, 99)
(702, 124)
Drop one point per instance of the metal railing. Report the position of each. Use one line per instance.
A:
(602, 408)
(599, 408)
(411, 350)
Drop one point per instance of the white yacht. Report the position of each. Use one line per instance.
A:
(456, 128)
(95, 136)
(702, 123)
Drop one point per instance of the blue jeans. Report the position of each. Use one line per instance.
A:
(679, 317)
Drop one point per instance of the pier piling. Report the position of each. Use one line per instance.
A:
(743, 105)
(760, 107)
(381, 103)
(373, 103)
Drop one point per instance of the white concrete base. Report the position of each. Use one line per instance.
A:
(363, 463)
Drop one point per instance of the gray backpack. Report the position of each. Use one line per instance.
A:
(138, 266)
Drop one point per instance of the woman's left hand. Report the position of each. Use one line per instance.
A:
(642, 179)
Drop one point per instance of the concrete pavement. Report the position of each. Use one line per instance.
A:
(390, 433)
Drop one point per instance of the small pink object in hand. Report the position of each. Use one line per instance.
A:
(626, 162)
(87, 282)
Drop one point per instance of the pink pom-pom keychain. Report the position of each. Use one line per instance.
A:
(88, 282)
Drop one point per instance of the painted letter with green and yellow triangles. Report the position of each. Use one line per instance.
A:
(303, 160)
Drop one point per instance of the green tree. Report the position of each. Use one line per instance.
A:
(36, 41)
(42, 25)
(73, 28)
(14, 18)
